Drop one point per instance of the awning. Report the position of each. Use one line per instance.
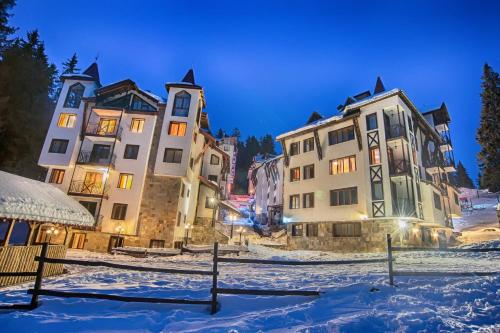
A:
(31, 200)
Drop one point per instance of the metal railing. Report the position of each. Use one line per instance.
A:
(399, 166)
(90, 188)
(91, 157)
(98, 129)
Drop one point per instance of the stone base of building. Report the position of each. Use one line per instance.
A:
(203, 233)
(372, 236)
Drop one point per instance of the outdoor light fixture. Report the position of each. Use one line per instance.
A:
(415, 230)
(402, 225)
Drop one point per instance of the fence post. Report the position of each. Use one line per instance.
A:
(39, 275)
(389, 259)
(214, 278)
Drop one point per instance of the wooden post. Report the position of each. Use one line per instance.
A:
(389, 259)
(214, 278)
(39, 276)
(9, 232)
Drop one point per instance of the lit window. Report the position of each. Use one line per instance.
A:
(74, 96)
(294, 174)
(106, 126)
(125, 181)
(375, 155)
(343, 165)
(294, 201)
(181, 104)
(137, 125)
(56, 176)
(66, 120)
(177, 128)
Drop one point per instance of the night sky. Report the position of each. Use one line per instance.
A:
(265, 67)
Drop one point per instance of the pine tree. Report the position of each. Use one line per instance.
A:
(5, 29)
(220, 134)
(69, 66)
(267, 145)
(26, 85)
(462, 178)
(488, 134)
(236, 132)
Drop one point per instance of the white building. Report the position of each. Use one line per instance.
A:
(133, 160)
(377, 168)
(265, 179)
(229, 144)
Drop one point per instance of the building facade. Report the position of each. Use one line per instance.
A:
(135, 161)
(379, 167)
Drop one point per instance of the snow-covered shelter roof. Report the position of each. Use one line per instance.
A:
(28, 199)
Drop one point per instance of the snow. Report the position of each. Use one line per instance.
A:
(355, 298)
(23, 198)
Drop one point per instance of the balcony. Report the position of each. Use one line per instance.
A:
(96, 158)
(82, 187)
(103, 130)
(395, 131)
(403, 207)
(399, 167)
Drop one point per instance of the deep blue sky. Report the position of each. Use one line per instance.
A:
(266, 65)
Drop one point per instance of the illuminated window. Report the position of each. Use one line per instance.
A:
(66, 120)
(125, 181)
(56, 176)
(176, 128)
(181, 104)
(343, 165)
(137, 125)
(294, 174)
(375, 155)
(74, 96)
(106, 126)
(294, 201)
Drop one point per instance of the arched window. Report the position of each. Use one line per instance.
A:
(181, 104)
(74, 96)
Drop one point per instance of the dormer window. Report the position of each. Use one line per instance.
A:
(74, 96)
(181, 104)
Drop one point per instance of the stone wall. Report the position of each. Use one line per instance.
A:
(203, 233)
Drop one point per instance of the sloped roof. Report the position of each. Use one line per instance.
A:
(28, 199)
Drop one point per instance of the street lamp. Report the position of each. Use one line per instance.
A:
(186, 233)
(119, 229)
(213, 204)
(52, 231)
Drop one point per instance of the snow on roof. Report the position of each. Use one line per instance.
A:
(153, 96)
(309, 126)
(28, 199)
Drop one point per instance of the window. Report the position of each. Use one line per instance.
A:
(181, 104)
(341, 135)
(214, 159)
(176, 128)
(131, 152)
(350, 229)
(294, 174)
(119, 211)
(375, 155)
(141, 105)
(212, 178)
(343, 165)
(172, 155)
(311, 230)
(91, 206)
(371, 122)
(308, 145)
(74, 96)
(179, 218)
(77, 241)
(297, 230)
(295, 201)
(308, 171)
(137, 125)
(377, 191)
(107, 126)
(437, 200)
(345, 196)
(294, 148)
(56, 176)
(58, 146)
(156, 244)
(66, 120)
(308, 200)
(210, 202)
(125, 181)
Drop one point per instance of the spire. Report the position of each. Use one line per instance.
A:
(189, 77)
(314, 117)
(379, 86)
(93, 71)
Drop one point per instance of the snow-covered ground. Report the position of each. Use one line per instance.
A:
(355, 298)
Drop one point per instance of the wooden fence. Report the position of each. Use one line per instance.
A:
(44, 259)
(393, 273)
(17, 263)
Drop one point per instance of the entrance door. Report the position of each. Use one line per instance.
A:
(115, 241)
(107, 126)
